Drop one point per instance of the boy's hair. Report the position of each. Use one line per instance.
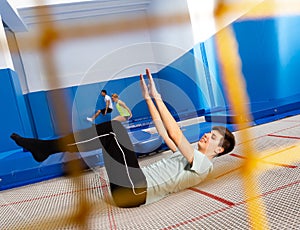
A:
(228, 140)
(103, 91)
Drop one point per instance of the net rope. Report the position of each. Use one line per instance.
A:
(232, 77)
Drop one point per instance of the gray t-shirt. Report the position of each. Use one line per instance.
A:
(174, 174)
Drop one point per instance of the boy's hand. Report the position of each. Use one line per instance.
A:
(152, 87)
(144, 88)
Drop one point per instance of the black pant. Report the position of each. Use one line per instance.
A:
(127, 182)
(109, 110)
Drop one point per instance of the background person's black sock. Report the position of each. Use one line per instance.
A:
(40, 149)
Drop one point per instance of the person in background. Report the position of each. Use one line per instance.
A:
(124, 111)
(108, 107)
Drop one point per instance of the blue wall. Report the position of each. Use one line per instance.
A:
(179, 84)
(289, 46)
(269, 50)
(258, 49)
(38, 105)
(81, 102)
(14, 114)
(270, 53)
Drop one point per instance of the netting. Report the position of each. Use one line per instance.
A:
(78, 202)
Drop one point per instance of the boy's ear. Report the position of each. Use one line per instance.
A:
(219, 149)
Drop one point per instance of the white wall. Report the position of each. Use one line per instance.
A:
(107, 56)
(111, 56)
(175, 39)
(32, 3)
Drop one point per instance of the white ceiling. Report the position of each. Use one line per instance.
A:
(31, 3)
(60, 10)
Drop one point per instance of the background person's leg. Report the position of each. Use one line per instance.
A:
(91, 119)
(120, 118)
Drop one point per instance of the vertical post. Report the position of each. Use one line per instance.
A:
(207, 75)
(5, 57)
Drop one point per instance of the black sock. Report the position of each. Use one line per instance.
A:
(40, 149)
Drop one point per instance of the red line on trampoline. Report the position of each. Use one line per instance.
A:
(49, 196)
(227, 202)
(265, 135)
(104, 188)
(111, 218)
(269, 192)
(266, 162)
(230, 171)
(197, 218)
(287, 128)
(237, 156)
(180, 224)
(283, 136)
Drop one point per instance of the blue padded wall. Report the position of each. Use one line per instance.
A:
(81, 102)
(289, 46)
(87, 100)
(41, 116)
(14, 114)
(60, 103)
(179, 85)
(259, 53)
(270, 52)
(133, 97)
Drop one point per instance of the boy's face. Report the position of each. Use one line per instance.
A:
(103, 94)
(209, 143)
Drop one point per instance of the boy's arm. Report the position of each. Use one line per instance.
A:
(156, 117)
(173, 130)
(106, 106)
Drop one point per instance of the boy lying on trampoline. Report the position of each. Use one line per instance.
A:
(130, 184)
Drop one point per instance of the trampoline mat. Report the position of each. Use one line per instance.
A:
(216, 203)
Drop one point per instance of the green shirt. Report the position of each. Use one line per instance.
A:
(123, 112)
